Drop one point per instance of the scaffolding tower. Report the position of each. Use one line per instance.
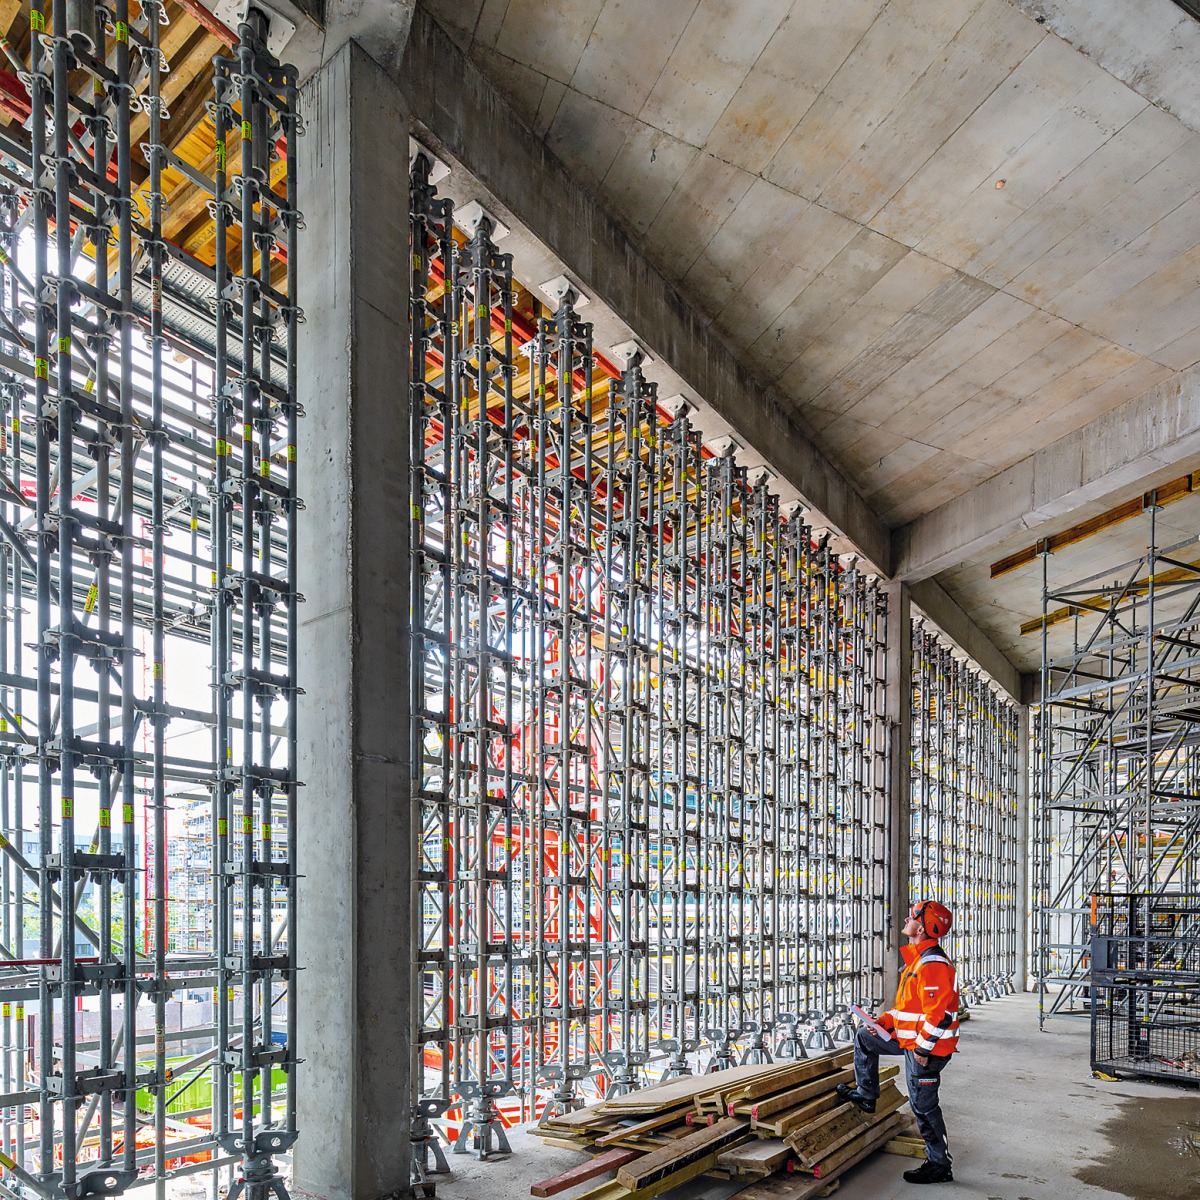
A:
(1118, 756)
(649, 708)
(965, 838)
(147, 603)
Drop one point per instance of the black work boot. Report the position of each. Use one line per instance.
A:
(855, 1097)
(930, 1172)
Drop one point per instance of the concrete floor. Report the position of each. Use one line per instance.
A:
(1027, 1122)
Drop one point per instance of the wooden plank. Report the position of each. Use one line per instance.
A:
(593, 1114)
(704, 1143)
(677, 1091)
(794, 1073)
(564, 1143)
(817, 1129)
(610, 1190)
(794, 1118)
(617, 1191)
(811, 1148)
(767, 1105)
(609, 1161)
(790, 1075)
(827, 1168)
(782, 1187)
(646, 1126)
(909, 1147)
(801, 1186)
(756, 1158)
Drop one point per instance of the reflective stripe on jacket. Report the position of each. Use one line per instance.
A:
(925, 1018)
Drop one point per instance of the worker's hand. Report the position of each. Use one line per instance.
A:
(923, 1059)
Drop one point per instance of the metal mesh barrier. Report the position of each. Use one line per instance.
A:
(650, 716)
(1145, 986)
(964, 841)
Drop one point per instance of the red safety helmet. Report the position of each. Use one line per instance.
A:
(935, 918)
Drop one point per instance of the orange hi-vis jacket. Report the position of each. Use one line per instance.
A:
(925, 1018)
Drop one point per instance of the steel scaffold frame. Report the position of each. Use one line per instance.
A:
(1117, 761)
(964, 841)
(136, 669)
(650, 717)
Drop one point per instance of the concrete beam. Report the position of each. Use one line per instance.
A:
(323, 27)
(1146, 441)
(526, 185)
(935, 603)
(354, 938)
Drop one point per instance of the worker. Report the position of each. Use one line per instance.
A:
(923, 1027)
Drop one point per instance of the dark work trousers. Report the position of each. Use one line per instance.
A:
(922, 1087)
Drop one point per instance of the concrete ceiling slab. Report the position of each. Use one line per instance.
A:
(947, 233)
(885, 129)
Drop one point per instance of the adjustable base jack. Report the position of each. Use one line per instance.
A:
(678, 1066)
(723, 1058)
(259, 1178)
(757, 1051)
(482, 1123)
(565, 1099)
(427, 1155)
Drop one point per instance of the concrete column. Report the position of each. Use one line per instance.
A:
(899, 824)
(1023, 901)
(354, 936)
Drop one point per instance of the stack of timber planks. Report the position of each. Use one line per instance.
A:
(780, 1126)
